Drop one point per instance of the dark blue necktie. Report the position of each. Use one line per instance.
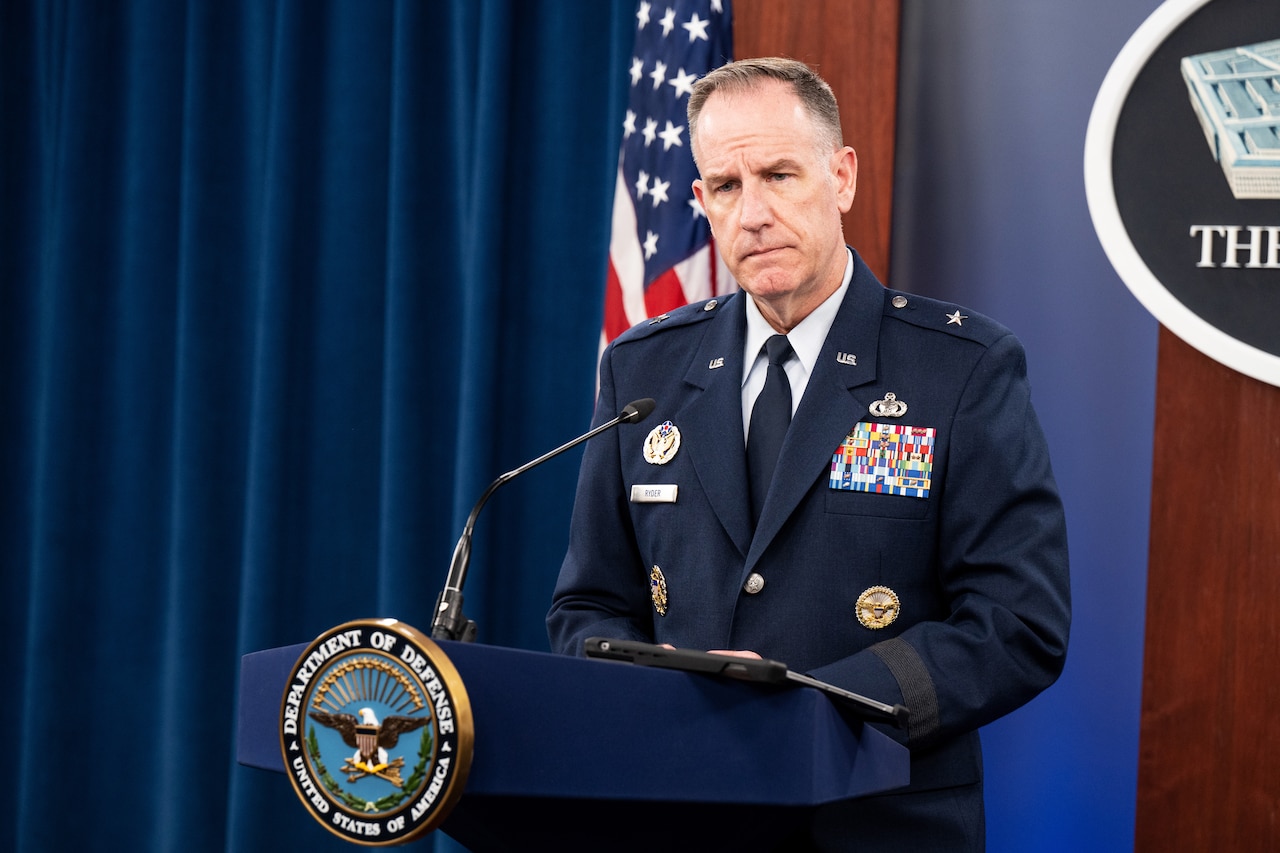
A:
(770, 418)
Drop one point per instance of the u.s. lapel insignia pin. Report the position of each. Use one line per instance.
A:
(661, 444)
(877, 607)
(658, 590)
(889, 407)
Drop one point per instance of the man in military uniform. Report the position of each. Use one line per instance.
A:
(903, 538)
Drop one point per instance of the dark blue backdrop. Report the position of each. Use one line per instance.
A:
(284, 285)
(991, 212)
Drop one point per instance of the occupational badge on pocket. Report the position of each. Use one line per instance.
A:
(889, 407)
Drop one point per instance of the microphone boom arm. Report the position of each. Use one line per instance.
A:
(449, 622)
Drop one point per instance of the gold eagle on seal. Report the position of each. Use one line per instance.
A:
(370, 740)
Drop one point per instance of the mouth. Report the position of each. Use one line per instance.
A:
(763, 252)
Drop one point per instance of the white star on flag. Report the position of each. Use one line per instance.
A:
(697, 28)
(659, 75)
(650, 131)
(668, 21)
(671, 136)
(658, 192)
(682, 83)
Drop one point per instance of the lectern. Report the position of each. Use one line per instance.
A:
(578, 754)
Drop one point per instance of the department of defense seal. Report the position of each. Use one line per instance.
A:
(661, 444)
(877, 607)
(376, 732)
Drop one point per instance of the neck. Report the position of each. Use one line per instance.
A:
(786, 312)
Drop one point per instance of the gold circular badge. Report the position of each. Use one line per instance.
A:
(877, 607)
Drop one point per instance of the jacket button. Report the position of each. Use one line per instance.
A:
(754, 584)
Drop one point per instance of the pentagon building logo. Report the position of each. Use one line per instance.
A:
(1201, 253)
(376, 732)
(1236, 96)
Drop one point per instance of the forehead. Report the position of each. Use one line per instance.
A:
(766, 121)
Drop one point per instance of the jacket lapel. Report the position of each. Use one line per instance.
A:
(712, 421)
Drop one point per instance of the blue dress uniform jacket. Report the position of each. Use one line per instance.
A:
(979, 565)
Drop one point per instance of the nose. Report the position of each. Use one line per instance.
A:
(756, 211)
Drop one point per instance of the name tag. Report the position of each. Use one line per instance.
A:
(664, 494)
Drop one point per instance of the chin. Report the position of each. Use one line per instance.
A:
(768, 285)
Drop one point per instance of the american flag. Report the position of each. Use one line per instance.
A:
(661, 254)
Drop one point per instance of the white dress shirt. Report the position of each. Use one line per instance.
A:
(806, 340)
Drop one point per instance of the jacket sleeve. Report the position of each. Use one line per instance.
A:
(1002, 566)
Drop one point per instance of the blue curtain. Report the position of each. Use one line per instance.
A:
(283, 286)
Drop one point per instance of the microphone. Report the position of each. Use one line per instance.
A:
(449, 622)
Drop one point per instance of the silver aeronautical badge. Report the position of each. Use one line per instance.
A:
(662, 443)
(889, 407)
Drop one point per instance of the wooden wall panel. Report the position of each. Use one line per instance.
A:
(854, 45)
(1209, 752)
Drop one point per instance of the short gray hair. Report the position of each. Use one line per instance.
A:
(746, 74)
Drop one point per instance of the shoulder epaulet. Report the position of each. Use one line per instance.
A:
(685, 315)
(946, 317)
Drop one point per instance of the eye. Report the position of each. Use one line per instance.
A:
(726, 186)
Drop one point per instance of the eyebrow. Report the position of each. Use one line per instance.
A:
(784, 164)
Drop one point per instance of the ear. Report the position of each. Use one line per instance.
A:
(697, 193)
(845, 168)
